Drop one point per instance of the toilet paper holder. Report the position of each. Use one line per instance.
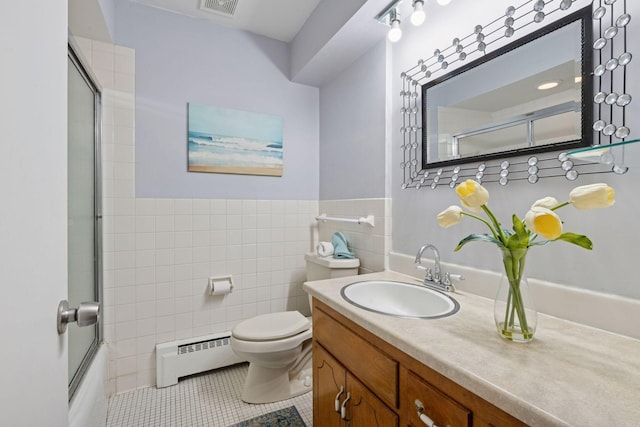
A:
(220, 285)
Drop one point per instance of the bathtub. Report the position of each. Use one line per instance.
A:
(88, 408)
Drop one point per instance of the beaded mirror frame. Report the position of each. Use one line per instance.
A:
(610, 57)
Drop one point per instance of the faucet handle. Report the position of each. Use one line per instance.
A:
(447, 279)
(457, 277)
(429, 274)
(437, 276)
(446, 283)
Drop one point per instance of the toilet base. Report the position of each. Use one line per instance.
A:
(266, 385)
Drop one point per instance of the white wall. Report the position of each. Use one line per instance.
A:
(608, 268)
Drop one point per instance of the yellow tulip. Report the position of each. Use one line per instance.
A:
(547, 202)
(592, 196)
(472, 195)
(450, 216)
(471, 208)
(544, 221)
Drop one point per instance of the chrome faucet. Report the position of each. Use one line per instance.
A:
(434, 279)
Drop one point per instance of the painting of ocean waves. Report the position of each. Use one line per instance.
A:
(222, 140)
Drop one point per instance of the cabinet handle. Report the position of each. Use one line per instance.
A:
(343, 408)
(338, 398)
(423, 417)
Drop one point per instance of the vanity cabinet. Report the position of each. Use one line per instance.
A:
(341, 400)
(432, 404)
(361, 380)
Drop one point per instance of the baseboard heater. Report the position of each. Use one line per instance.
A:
(177, 359)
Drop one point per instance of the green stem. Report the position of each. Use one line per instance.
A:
(517, 295)
(496, 224)
(509, 318)
(561, 205)
(514, 262)
(483, 220)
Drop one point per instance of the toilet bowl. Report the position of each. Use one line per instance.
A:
(278, 348)
(278, 345)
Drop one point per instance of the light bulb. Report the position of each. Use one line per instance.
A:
(443, 2)
(395, 33)
(548, 85)
(418, 15)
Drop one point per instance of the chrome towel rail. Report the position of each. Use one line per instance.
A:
(369, 219)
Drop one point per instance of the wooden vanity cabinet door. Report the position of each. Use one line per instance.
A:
(328, 376)
(365, 409)
(373, 367)
(437, 406)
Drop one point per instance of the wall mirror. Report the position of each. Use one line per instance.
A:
(449, 134)
(530, 96)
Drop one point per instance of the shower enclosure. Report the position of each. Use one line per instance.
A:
(84, 213)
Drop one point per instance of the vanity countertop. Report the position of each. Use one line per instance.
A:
(570, 374)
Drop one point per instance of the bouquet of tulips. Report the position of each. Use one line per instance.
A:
(540, 220)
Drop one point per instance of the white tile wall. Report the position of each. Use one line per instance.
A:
(370, 244)
(164, 256)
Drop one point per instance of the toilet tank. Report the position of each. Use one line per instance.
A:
(319, 268)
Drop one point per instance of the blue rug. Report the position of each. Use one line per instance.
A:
(287, 417)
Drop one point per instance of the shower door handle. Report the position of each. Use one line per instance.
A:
(86, 314)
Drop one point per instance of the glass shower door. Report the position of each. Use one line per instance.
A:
(84, 254)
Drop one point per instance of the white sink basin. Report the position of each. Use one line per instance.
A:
(399, 299)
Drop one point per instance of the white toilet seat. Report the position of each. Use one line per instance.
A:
(270, 346)
(271, 332)
(272, 326)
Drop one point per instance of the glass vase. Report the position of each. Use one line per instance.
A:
(514, 311)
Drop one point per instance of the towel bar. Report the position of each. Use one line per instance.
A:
(369, 219)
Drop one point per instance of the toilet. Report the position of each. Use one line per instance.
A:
(278, 345)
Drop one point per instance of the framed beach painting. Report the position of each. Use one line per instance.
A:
(223, 140)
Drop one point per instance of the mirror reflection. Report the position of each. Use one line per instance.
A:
(525, 97)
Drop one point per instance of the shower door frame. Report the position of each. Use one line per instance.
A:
(91, 81)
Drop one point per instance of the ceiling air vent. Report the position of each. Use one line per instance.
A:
(221, 7)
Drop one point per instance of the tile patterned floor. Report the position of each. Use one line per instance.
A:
(210, 399)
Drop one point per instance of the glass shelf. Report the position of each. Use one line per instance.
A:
(606, 154)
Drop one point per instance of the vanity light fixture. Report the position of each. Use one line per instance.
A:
(390, 16)
(418, 16)
(395, 32)
(548, 85)
(444, 2)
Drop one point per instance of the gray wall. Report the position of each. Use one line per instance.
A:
(609, 267)
(352, 130)
(181, 60)
(108, 8)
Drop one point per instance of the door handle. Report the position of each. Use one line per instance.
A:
(86, 314)
(424, 417)
(343, 408)
(338, 398)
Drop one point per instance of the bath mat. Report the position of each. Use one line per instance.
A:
(287, 417)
